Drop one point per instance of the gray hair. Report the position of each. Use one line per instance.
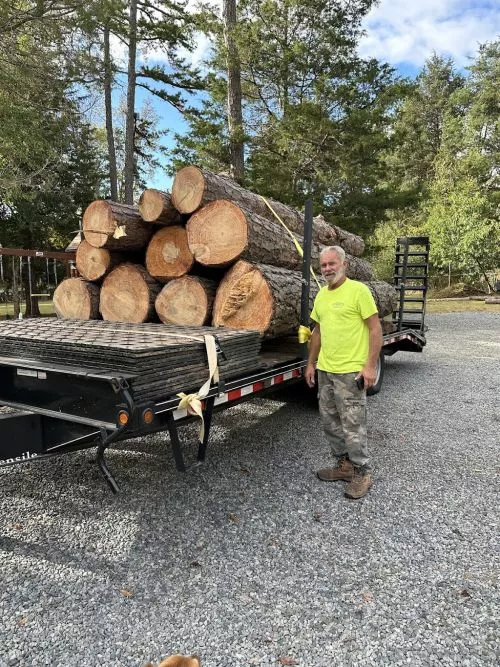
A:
(334, 248)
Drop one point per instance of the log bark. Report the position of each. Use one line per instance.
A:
(194, 188)
(352, 244)
(128, 294)
(358, 268)
(77, 298)
(186, 301)
(385, 296)
(114, 226)
(267, 298)
(95, 263)
(156, 206)
(221, 232)
(168, 255)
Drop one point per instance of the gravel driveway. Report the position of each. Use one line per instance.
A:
(249, 559)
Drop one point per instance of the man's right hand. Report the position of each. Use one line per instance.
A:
(310, 375)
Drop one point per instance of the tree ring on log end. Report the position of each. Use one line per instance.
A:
(125, 294)
(170, 252)
(76, 298)
(98, 223)
(151, 205)
(217, 233)
(168, 255)
(182, 301)
(92, 263)
(188, 189)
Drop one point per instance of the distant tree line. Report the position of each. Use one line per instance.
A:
(284, 103)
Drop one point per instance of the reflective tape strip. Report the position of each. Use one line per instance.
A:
(248, 389)
(395, 339)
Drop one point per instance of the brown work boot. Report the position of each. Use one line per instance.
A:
(343, 471)
(359, 485)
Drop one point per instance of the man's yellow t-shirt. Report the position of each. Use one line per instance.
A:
(344, 335)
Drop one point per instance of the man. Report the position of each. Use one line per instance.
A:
(344, 347)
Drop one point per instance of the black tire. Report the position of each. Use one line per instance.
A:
(380, 376)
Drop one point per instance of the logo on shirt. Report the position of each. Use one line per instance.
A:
(337, 304)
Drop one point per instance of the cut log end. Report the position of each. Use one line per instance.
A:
(244, 299)
(128, 294)
(184, 302)
(188, 189)
(168, 255)
(156, 206)
(76, 298)
(108, 224)
(98, 223)
(92, 263)
(218, 233)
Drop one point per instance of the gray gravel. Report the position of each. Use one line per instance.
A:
(249, 559)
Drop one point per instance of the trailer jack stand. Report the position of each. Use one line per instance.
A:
(176, 443)
(106, 472)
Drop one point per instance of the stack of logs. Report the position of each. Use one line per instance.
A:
(212, 252)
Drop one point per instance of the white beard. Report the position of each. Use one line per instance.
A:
(333, 279)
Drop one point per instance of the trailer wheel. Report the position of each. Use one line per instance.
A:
(380, 376)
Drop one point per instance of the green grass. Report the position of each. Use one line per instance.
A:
(452, 306)
(46, 308)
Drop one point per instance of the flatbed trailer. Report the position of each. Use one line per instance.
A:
(57, 409)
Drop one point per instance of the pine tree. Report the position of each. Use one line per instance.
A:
(316, 116)
(463, 209)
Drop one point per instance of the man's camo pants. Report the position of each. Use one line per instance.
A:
(342, 407)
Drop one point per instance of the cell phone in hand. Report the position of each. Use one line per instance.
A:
(360, 382)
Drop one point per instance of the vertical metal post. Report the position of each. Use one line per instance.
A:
(55, 274)
(202, 449)
(15, 290)
(306, 271)
(402, 242)
(175, 443)
(30, 289)
(21, 289)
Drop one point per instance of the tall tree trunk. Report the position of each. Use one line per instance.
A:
(234, 109)
(108, 84)
(130, 123)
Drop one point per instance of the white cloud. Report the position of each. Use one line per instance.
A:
(119, 50)
(195, 57)
(401, 31)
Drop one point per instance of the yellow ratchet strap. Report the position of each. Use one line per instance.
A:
(292, 235)
(192, 402)
(305, 334)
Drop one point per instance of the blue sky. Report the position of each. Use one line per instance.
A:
(403, 33)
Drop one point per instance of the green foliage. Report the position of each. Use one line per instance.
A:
(49, 164)
(462, 232)
(317, 117)
(380, 249)
(464, 197)
(46, 214)
(378, 155)
(418, 129)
